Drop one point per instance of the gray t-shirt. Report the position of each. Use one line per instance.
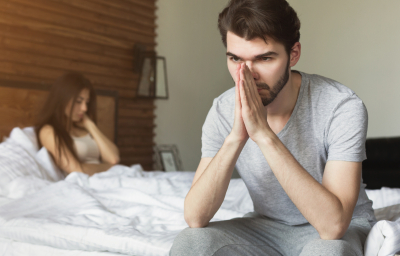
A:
(329, 122)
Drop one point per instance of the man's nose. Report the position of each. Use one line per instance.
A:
(254, 72)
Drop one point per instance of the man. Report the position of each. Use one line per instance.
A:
(297, 141)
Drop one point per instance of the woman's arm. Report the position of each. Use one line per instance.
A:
(66, 161)
(108, 150)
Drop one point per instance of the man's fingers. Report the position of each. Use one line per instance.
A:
(237, 74)
(253, 88)
(243, 95)
(251, 83)
(238, 104)
(248, 84)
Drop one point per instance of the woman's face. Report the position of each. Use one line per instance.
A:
(79, 107)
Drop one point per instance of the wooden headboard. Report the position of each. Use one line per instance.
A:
(20, 102)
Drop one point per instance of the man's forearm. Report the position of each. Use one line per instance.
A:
(208, 192)
(317, 204)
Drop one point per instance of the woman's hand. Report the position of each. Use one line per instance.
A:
(108, 150)
(85, 123)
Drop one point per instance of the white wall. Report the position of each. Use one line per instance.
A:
(196, 67)
(354, 42)
(357, 43)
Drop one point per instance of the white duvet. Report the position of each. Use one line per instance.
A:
(384, 237)
(122, 211)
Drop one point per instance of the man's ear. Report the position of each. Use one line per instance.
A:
(295, 54)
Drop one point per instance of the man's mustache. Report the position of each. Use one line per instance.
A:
(263, 86)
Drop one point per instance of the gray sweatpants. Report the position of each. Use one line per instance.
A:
(256, 235)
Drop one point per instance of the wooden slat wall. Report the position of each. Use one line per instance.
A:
(41, 39)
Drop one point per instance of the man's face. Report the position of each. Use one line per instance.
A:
(268, 62)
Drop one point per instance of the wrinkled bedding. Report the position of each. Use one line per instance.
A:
(124, 211)
(384, 237)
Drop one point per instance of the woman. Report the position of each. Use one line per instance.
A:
(67, 129)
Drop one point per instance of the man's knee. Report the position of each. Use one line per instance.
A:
(329, 247)
(195, 241)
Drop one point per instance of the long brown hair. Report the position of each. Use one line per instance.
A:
(65, 88)
(251, 19)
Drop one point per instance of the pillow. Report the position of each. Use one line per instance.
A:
(51, 170)
(26, 138)
(21, 163)
(31, 134)
(15, 162)
(383, 197)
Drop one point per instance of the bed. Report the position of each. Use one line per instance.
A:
(381, 173)
(124, 211)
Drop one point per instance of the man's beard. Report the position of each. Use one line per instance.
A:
(275, 89)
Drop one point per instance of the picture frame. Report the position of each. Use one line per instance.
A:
(167, 158)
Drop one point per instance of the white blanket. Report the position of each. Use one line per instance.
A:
(384, 237)
(123, 210)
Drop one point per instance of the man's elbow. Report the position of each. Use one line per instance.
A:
(334, 232)
(195, 222)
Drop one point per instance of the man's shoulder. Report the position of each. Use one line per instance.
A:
(328, 92)
(327, 86)
(226, 98)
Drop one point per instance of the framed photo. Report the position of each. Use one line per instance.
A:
(167, 158)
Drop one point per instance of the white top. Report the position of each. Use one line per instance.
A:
(87, 149)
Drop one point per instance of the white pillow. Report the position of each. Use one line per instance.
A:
(15, 162)
(42, 156)
(52, 172)
(21, 164)
(26, 138)
(31, 134)
(383, 197)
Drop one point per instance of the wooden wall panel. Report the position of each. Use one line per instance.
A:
(42, 39)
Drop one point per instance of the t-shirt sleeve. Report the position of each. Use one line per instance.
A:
(212, 137)
(347, 131)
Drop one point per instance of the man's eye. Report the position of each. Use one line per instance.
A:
(265, 58)
(235, 59)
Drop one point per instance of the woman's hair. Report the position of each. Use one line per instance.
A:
(65, 88)
(251, 19)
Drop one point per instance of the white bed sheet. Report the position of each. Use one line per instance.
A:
(384, 237)
(123, 210)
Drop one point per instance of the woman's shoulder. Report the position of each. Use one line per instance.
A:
(46, 129)
(46, 133)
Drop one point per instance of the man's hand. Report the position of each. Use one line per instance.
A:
(239, 132)
(253, 111)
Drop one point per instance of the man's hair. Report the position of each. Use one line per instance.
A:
(251, 19)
